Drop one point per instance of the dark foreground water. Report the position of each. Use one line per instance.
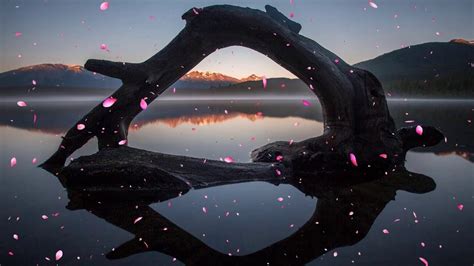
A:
(250, 221)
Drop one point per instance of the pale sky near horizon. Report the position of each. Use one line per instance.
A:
(70, 32)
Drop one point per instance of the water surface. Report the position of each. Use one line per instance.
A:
(242, 220)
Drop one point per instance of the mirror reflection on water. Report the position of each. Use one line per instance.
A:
(244, 223)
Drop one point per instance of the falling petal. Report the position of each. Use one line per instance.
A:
(229, 159)
(204, 210)
(280, 199)
(33, 82)
(12, 162)
(336, 61)
(195, 11)
(279, 158)
(137, 220)
(59, 254)
(143, 104)
(353, 159)
(104, 6)
(373, 5)
(385, 231)
(34, 161)
(334, 254)
(103, 46)
(15, 236)
(44, 217)
(21, 103)
(264, 81)
(424, 261)
(383, 155)
(292, 2)
(419, 130)
(18, 34)
(35, 117)
(122, 142)
(80, 126)
(460, 207)
(278, 172)
(109, 102)
(306, 103)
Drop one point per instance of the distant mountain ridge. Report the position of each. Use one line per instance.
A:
(429, 69)
(60, 75)
(426, 69)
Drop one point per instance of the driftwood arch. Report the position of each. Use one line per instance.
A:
(356, 117)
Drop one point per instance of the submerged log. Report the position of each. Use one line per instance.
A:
(356, 118)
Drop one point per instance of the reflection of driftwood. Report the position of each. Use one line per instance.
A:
(356, 117)
(331, 226)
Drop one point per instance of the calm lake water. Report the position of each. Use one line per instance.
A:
(245, 221)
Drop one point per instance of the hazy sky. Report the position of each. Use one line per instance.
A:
(71, 31)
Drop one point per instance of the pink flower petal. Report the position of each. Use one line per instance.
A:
(18, 34)
(35, 117)
(353, 159)
(280, 199)
(15, 236)
(385, 231)
(33, 82)
(21, 103)
(306, 103)
(80, 126)
(59, 254)
(104, 46)
(460, 207)
(143, 104)
(373, 5)
(109, 102)
(34, 161)
(419, 130)
(278, 172)
(279, 158)
(137, 220)
(264, 81)
(383, 155)
(44, 217)
(12, 162)
(424, 261)
(104, 6)
(204, 210)
(122, 142)
(229, 159)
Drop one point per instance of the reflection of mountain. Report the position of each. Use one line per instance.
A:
(451, 117)
(426, 69)
(203, 119)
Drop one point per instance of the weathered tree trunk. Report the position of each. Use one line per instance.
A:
(356, 117)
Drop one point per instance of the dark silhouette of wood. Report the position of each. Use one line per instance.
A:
(355, 113)
(329, 227)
